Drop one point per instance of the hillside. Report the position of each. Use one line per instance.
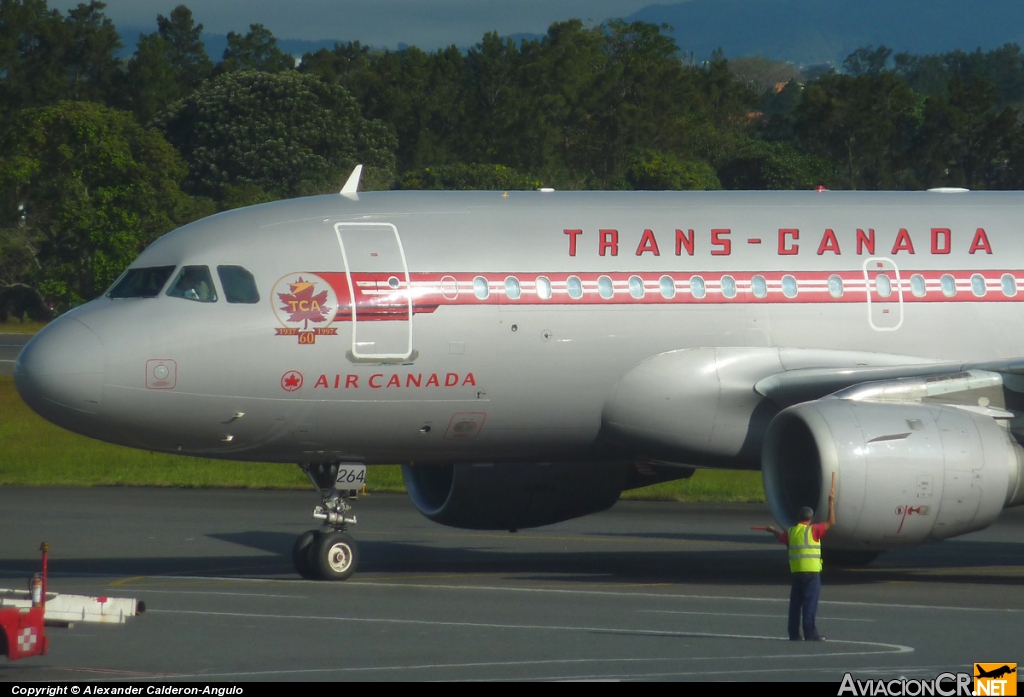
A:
(818, 31)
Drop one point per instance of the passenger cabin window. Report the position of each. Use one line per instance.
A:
(883, 285)
(636, 287)
(758, 287)
(917, 285)
(668, 287)
(729, 286)
(605, 287)
(146, 282)
(978, 285)
(194, 283)
(948, 284)
(697, 288)
(575, 287)
(543, 288)
(789, 287)
(238, 284)
(512, 290)
(835, 286)
(480, 288)
(1009, 284)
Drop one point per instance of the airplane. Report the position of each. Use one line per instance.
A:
(996, 673)
(528, 356)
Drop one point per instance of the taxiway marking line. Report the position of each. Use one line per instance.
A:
(676, 596)
(568, 592)
(556, 661)
(133, 675)
(894, 648)
(742, 614)
(595, 538)
(635, 676)
(244, 595)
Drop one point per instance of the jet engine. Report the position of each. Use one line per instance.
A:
(511, 495)
(906, 473)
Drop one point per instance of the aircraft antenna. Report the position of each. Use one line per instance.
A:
(351, 187)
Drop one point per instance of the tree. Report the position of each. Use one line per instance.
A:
(761, 75)
(965, 140)
(91, 59)
(570, 108)
(654, 171)
(463, 177)
(570, 78)
(494, 69)
(167, 66)
(185, 50)
(150, 79)
(286, 133)
(30, 72)
(1002, 67)
(85, 189)
(45, 57)
(759, 165)
(863, 125)
(867, 61)
(339, 64)
(257, 50)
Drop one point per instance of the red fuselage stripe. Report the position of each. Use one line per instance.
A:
(383, 296)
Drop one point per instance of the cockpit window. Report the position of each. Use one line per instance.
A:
(239, 285)
(194, 283)
(144, 282)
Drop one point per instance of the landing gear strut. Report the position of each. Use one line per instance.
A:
(328, 553)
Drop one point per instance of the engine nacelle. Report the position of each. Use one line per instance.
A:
(905, 473)
(510, 495)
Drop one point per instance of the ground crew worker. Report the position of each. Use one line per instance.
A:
(804, 542)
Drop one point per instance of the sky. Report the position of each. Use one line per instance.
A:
(385, 23)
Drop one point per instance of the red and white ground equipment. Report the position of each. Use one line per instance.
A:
(25, 614)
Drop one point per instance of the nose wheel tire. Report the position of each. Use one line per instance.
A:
(301, 553)
(334, 557)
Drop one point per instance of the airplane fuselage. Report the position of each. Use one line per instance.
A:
(478, 326)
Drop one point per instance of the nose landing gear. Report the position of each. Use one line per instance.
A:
(329, 553)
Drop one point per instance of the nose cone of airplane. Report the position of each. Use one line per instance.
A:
(59, 373)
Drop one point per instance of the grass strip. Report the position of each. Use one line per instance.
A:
(35, 452)
(21, 327)
(705, 485)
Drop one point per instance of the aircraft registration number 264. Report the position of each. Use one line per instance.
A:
(351, 476)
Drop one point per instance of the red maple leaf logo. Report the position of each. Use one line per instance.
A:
(302, 305)
(291, 381)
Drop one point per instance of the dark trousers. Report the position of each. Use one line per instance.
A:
(803, 597)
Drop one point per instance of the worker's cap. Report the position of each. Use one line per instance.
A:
(806, 513)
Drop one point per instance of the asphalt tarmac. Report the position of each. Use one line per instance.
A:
(643, 591)
(10, 347)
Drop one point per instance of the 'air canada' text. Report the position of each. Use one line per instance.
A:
(383, 381)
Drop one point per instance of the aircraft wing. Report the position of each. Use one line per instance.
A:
(987, 388)
(801, 385)
(711, 407)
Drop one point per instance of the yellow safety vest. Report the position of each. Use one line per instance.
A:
(804, 550)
